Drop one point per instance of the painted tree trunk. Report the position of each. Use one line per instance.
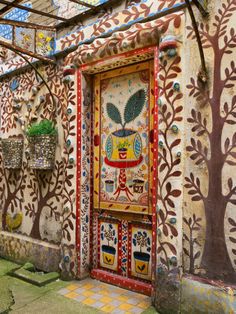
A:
(35, 231)
(216, 260)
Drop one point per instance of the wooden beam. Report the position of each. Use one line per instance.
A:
(7, 8)
(26, 24)
(85, 4)
(19, 6)
(79, 18)
(26, 52)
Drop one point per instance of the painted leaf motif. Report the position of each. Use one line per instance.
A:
(134, 106)
(114, 113)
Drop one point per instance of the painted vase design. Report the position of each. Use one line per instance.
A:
(123, 144)
(141, 259)
(108, 251)
(108, 254)
(109, 186)
(138, 186)
(141, 262)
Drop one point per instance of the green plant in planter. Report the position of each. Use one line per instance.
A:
(124, 145)
(42, 144)
(44, 127)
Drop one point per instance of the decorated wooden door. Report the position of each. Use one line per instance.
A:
(123, 169)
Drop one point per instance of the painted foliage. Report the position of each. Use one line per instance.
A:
(209, 240)
(170, 161)
(44, 199)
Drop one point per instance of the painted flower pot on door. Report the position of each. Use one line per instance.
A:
(109, 186)
(12, 152)
(138, 185)
(141, 262)
(141, 259)
(108, 254)
(124, 144)
(108, 251)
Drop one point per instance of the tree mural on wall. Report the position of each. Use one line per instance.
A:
(169, 114)
(31, 191)
(218, 151)
(193, 224)
(45, 189)
(11, 191)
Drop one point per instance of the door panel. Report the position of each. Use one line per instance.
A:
(123, 170)
(123, 150)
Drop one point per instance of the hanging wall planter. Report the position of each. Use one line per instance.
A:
(12, 152)
(42, 138)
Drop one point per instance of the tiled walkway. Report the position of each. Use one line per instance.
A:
(107, 298)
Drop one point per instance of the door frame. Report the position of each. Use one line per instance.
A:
(88, 69)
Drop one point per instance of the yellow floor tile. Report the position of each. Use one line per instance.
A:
(108, 308)
(104, 292)
(144, 305)
(71, 295)
(72, 287)
(88, 301)
(122, 298)
(126, 307)
(105, 299)
(88, 286)
(87, 293)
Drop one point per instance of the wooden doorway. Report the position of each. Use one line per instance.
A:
(124, 155)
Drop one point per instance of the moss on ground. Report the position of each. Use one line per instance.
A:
(19, 297)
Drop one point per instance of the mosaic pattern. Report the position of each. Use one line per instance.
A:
(67, 9)
(85, 201)
(15, 14)
(114, 21)
(124, 249)
(106, 298)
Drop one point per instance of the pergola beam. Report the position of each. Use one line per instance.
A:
(19, 6)
(26, 24)
(85, 4)
(26, 52)
(6, 8)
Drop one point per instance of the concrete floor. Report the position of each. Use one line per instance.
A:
(19, 297)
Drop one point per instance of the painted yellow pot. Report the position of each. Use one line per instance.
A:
(141, 262)
(108, 254)
(124, 145)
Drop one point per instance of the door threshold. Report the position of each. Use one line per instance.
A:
(122, 282)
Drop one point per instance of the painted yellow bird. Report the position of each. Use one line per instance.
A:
(14, 222)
